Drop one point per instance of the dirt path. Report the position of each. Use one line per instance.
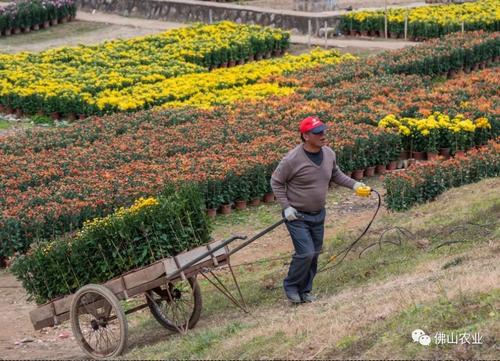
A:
(87, 29)
(336, 316)
(18, 340)
(152, 25)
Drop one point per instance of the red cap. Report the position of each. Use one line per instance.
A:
(312, 124)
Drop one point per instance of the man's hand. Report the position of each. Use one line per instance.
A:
(291, 214)
(358, 185)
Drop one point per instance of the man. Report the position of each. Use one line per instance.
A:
(300, 183)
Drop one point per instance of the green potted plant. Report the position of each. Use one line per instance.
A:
(37, 14)
(242, 191)
(212, 189)
(3, 22)
(432, 145)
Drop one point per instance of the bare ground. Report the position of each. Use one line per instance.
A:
(87, 29)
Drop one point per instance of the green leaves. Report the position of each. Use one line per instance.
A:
(424, 182)
(149, 230)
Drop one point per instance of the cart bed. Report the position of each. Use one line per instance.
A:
(136, 281)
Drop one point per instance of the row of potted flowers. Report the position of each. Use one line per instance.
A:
(434, 57)
(240, 204)
(35, 14)
(423, 22)
(438, 131)
(203, 90)
(438, 57)
(112, 76)
(424, 181)
(406, 159)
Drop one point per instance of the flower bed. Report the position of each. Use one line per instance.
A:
(34, 14)
(426, 21)
(439, 56)
(85, 79)
(221, 86)
(109, 163)
(439, 131)
(129, 238)
(434, 57)
(425, 181)
(372, 99)
(53, 181)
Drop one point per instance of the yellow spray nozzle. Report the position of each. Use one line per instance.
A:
(363, 191)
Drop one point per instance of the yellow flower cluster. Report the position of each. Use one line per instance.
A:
(204, 90)
(46, 249)
(229, 96)
(66, 79)
(224, 86)
(409, 126)
(482, 11)
(142, 203)
(139, 205)
(485, 11)
(482, 123)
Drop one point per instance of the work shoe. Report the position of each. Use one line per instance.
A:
(307, 297)
(293, 298)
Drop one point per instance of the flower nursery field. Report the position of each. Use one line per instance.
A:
(55, 180)
(194, 119)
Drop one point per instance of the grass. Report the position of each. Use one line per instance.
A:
(12, 43)
(263, 346)
(4, 124)
(194, 344)
(35, 121)
(275, 330)
(468, 314)
(258, 217)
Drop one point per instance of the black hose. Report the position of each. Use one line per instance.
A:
(346, 250)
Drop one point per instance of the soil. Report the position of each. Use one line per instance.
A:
(18, 340)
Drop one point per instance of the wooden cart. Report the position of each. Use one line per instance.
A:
(172, 295)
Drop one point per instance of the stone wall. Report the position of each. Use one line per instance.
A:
(192, 11)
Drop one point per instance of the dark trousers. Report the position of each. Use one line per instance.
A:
(307, 237)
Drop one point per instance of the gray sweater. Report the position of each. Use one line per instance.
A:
(300, 183)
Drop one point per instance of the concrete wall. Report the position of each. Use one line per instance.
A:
(192, 11)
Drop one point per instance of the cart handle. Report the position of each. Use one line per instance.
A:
(224, 244)
(204, 255)
(234, 238)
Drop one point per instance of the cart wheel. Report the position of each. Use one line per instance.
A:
(174, 304)
(98, 322)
